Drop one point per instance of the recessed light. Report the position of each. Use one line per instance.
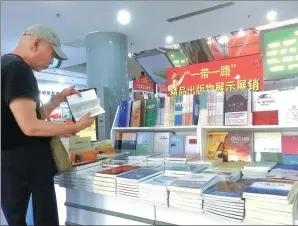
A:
(271, 16)
(123, 17)
(169, 39)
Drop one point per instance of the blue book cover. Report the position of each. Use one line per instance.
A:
(229, 189)
(177, 144)
(287, 166)
(270, 188)
(203, 100)
(124, 113)
(290, 159)
(178, 110)
(144, 143)
(139, 174)
(196, 109)
(160, 119)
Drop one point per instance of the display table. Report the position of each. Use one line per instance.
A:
(85, 208)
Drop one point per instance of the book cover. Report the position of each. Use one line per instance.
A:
(219, 109)
(267, 142)
(217, 146)
(136, 114)
(161, 142)
(124, 113)
(129, 141)
(172, 111)
(191, 144)
(150, 113)
(260, 166)
(196, 109)
(118, 140)
(232, 165)
(167, 111)
(268, 157)
(176, 144)
(265, 101)
(270, 188)
(203, 115)
(144, 143)
(118, 170)
(161, 180)
(290, 145)
(190, 109)
(290, 159)
(265, 118)
(182, 156)
(288, 110)
(160, 111)
(139, 174)
(240, 146)
(229, 189)
(237, 108)
(178, 110)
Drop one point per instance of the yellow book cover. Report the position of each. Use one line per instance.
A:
(217, 144)
(232, 165)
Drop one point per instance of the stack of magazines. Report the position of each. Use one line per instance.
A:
(225, 200)
(185, 192)
(128, 183)
(104, 180)
(155, 190)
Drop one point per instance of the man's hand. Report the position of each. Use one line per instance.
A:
(60, 97)
(84, 122)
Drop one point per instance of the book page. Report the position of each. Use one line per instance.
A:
(88, 102)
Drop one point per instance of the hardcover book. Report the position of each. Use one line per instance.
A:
(217, 146)
(191, 144)
(176, 144)
(149, 113)
(144, 143)
(238, 108)
(129, 141)
(124, 113)
(290, 145)
(136, 114)
(240, 146)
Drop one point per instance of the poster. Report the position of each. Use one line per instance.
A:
(224, 75)
(141, 90)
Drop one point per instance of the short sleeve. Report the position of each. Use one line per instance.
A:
(18, 81)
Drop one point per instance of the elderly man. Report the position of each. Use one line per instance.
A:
(27, 164)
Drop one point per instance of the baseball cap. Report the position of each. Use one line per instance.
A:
(48, 34)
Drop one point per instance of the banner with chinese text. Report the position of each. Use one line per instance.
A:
(224, 75)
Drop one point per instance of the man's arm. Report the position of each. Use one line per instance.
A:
(49, 107)
(24, 112)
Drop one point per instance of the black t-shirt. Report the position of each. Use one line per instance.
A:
(17, 81)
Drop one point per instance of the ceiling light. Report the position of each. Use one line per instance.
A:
(271, 16)
(223, 39)
(123, 17)
(169, 39)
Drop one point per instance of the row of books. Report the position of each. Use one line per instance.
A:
(249, 146)
(161, 142)
(216, 190)
(211, 108)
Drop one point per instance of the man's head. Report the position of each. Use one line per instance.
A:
(38, 46)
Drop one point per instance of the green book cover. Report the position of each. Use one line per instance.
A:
(269, 157)
(144, 143)
(150, 113)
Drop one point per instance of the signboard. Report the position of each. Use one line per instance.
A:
(224, 75)
(280, 51)
(177, 58)
(140, 90)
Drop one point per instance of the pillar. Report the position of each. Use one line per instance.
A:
(106, 54)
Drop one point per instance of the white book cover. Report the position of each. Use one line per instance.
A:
(267, 142)
(161, 142)
(288, 110)
(191, 145)
(88, 102)
(259, 166)
(265, 101)
(159, 182)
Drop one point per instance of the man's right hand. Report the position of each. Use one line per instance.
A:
(84, 122)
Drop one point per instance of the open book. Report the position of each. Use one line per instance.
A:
(88, 102)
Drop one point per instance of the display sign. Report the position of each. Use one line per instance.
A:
(280, 51)
(140, 90)
(143, 86)
(177, 58)
(224, 75)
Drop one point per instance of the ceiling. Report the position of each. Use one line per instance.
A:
(148, 27)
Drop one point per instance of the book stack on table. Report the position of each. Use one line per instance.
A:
(105, 182)
(225, 200)
(256, 170)
(128, 183)
(185, 192)
(155, 190)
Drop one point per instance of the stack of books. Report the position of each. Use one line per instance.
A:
(256, 170)
(104, 180)
(160, 158)
(226, 174)
(128, 184)
(155, 190)
(179, 170)
(201, 161)
(181, 158)
(185, 192)
(271, 202)
(225, 200)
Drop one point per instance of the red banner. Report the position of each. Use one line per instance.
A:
(143, 86)
(224, 75)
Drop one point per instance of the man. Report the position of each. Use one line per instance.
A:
(27, 165)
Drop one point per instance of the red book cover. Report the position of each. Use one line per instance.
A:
(289, 145)
(265, 118)
(118, 170)
(240, 146)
